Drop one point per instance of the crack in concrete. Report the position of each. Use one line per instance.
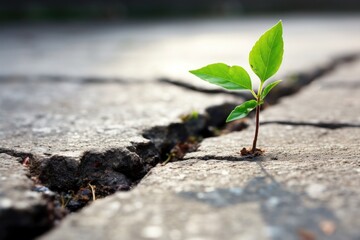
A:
(111, 170)
(191, 87)
(18, 154)
(331, 126)
(4, 79)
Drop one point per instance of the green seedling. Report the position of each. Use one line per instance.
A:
(265, 59)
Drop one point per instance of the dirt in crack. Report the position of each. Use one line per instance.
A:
(174, 141)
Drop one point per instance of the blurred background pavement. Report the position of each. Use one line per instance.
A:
(148, 40)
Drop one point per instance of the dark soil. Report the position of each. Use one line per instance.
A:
(248, 152)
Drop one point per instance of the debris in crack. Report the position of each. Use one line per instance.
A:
(181, 148)
(175, 140)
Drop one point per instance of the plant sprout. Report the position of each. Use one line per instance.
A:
(265, 59)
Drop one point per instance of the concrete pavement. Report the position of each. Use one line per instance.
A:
(304, 187)
(96, 121)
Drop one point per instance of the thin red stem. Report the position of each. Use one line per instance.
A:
(256, 129)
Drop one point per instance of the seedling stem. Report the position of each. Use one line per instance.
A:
(257, 116)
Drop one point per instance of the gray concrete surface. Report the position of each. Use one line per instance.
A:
(68, 117)
(67, 127)
(304, 187)
(101, 116)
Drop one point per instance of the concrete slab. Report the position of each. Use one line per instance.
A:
(304, 187)
(213, 199)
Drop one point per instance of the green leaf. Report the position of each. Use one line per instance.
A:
(242, 110)
(240, 76)
(268, 88)
(231, 78)
(266, 56)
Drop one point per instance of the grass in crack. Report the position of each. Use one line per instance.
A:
(265, 59)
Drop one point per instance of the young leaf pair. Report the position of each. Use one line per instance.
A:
(265, 59)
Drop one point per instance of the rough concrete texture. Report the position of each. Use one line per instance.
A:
(74, 133)
(21, 209)
(68, 117)
(305, 186)
(331, 99)
(80, 130)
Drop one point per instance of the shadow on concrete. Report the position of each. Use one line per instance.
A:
(288, 215)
